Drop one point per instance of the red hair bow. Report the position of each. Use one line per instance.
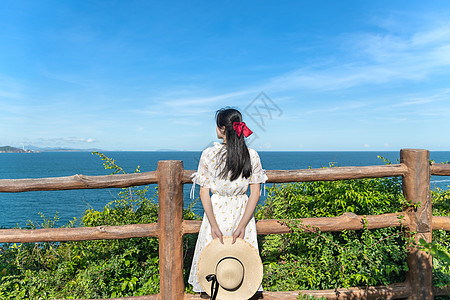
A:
(240, 127)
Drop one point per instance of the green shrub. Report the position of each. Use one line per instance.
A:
(89, 269)
(310, 259)
(304, 259)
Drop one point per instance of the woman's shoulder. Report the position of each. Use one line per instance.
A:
(254, 156)
(252, 151)
(214, 149)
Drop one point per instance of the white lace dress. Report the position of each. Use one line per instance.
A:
(229, 199)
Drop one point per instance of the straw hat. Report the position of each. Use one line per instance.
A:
(237, 268)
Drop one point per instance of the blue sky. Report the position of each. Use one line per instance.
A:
(149, 75)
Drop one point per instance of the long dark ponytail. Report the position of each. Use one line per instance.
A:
(237, 155)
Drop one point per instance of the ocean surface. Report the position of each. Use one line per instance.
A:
(19, 208)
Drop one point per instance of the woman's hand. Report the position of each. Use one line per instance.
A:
(207, 206)
(248, 212)
(238, 233)
(216, 233)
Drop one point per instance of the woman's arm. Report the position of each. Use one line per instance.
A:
(207, 206)
(248, 213)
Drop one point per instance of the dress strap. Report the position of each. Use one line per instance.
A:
(264, 183)
(192, 194)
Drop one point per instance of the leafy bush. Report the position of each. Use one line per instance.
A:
(89, 269)
(440, 245)
(317, 260)
(309, 259)
(304, 259)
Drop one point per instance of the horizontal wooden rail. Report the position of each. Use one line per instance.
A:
(398, 290)
(347, 221)
(77, 182)
(78, 234)
(440, 169)
(393, 291)
(439, 222)
(326, 174)
(126, 180)
(441, 291)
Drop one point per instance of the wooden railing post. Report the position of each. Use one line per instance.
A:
(170, 220)
(416, 188)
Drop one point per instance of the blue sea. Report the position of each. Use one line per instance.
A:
(18, 208)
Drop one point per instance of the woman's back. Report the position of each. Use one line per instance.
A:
(226, 170)
(211, 165)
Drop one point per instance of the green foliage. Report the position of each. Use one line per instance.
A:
(89, 269)
(110, 164)
(333, 260)
(436, 250)
(333, 198)
(441, 202)
(304, 259)
(441, 239)
(439, 249)
(310, 259)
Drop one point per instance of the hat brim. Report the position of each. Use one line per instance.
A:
(245, 253)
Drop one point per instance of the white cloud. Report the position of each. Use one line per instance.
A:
(426, 103)
(66, 140)
(375, 59)
(343, 106)
(435, 35)
(191, 105)
(412, 102)
(267, 146)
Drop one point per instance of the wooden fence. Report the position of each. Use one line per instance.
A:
(414, 167)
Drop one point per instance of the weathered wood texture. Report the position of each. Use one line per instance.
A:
(126, 180)
(77, 182)
(416, 189)
(78, 234)
(325, 174)
(170, 220)
(440, 169)
(439, 222)
(149, 297)
(393, 291)
(441, 291)
(347, 221)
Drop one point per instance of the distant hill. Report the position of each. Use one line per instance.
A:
(9, 149)
(34, 149)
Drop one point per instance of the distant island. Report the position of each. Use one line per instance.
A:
(9, 149)
(34, 149)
